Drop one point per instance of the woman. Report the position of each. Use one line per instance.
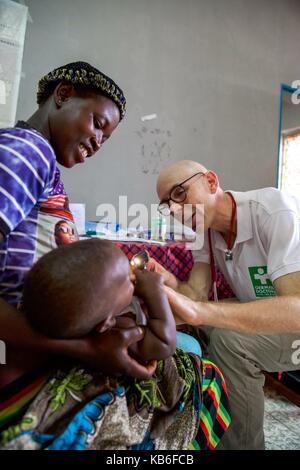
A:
(79, 108)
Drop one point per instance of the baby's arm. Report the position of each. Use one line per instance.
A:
(159, 341)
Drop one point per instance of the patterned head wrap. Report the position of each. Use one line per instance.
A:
(84, 75)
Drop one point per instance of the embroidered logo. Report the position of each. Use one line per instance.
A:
(261, 282)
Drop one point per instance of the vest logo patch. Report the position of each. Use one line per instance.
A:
(261, 282)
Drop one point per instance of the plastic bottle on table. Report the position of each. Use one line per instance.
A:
(159, 228)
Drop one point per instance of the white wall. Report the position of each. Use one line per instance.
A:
(211, 70)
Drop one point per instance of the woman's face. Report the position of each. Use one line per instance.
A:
(80, 125)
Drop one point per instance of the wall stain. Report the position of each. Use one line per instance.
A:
(155, 149)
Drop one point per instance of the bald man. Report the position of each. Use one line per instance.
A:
(255, 241)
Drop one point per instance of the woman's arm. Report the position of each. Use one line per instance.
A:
(107, 353)
(16, 332)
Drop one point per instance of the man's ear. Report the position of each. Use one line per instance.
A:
(213, 181)
(63, 92)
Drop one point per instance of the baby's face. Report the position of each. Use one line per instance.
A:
(121, 294)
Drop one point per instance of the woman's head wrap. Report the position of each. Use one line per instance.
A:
(84, 75)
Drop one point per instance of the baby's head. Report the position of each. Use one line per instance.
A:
(76, 287)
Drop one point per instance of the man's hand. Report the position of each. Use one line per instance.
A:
(183, 308)
(108, 352)
(169, 278)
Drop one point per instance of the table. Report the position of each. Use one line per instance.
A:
(176, 259)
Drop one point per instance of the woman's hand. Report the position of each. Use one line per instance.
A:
(184, 309)
(108, 352)
(169, 278)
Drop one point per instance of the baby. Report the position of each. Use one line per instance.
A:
(88, 286)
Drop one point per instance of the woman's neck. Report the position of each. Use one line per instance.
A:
(40, 121)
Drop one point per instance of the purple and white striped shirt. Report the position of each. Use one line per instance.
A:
(34, 210)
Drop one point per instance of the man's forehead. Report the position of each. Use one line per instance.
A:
(167, 181)
(172, 180)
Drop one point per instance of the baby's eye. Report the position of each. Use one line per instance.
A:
(98, 124)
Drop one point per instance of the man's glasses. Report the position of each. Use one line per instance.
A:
(178, 194)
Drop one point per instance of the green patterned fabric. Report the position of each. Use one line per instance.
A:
(78, 409)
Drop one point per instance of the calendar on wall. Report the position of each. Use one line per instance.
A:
(13, 18)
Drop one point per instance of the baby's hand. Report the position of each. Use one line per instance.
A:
(125, 322)
(148, 283)
(169, 278)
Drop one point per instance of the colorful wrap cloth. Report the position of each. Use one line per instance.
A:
(183, 406)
